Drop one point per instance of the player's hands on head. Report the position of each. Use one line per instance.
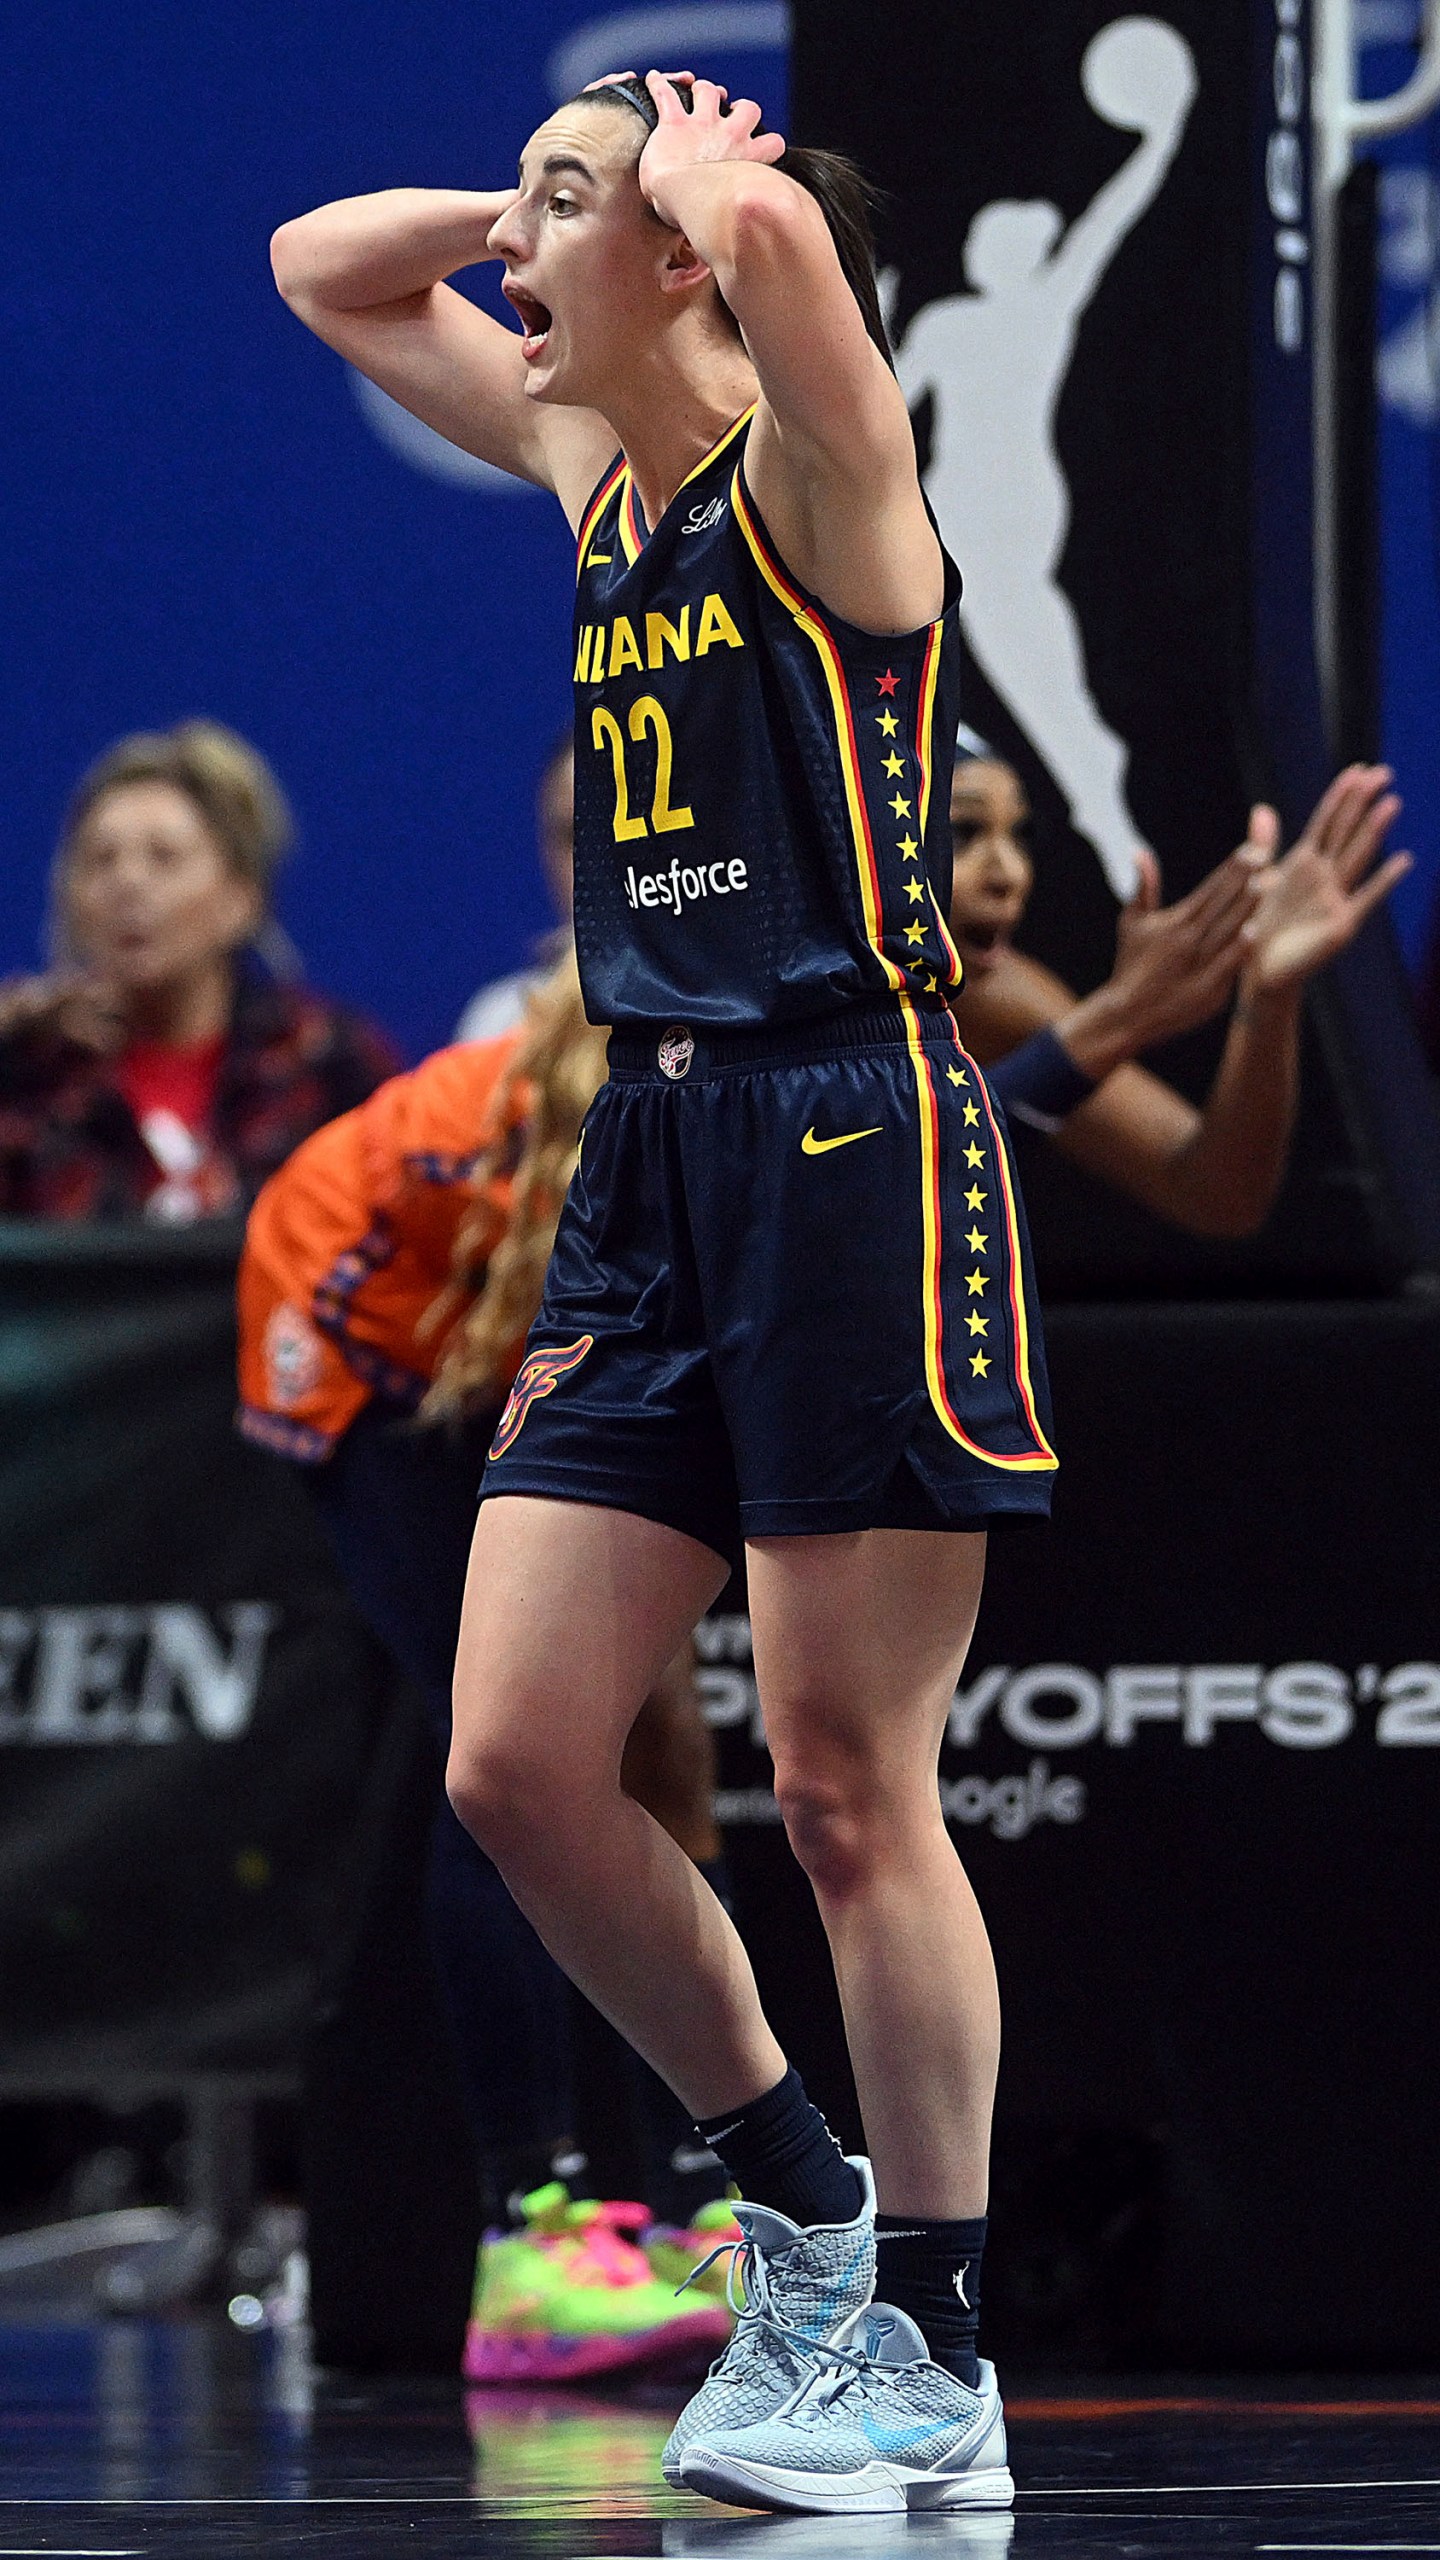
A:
(1314, 902)
(711, 127)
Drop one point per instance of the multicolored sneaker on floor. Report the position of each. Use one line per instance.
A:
(792, 2289)
(571, 2295)
(694, 2256)
(881, 2431)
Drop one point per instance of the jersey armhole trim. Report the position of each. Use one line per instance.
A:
(595, 509)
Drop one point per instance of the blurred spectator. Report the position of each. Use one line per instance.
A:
(1257, 928)
(500, 1006)
(397, 1261)
(159, 1067)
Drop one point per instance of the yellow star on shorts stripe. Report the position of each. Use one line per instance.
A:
(887, 723)
(915, 890)
(908, 847)
(977, 1240)
(979, 1366)
(977, 1323)
(977, 1284)
(900, 807)
(894, 765)
(974, 1198)
(914, 933)
(974, 1154)
(957, 1075)
(972, 1116)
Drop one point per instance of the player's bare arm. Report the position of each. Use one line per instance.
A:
(369, 276)
(831, 458)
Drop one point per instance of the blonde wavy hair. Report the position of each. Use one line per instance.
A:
(552, 1079)
(226, 778)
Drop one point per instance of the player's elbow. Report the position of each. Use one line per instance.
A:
(297, 263)
(290, 261)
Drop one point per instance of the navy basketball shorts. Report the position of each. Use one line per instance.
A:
(790, 1293)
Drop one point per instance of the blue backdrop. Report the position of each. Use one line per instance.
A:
(201, 512)
(1409, 383)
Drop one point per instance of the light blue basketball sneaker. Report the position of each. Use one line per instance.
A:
(791, 2289)
(878, 2429)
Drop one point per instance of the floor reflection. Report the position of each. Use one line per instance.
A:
(187, 2440)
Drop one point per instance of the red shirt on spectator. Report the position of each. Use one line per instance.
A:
(225, 1112)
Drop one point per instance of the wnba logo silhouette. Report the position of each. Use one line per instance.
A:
(539, 1375)
(994, 361)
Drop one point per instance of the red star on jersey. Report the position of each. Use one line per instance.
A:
(888, 681)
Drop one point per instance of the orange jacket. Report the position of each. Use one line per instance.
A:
(350, 1243)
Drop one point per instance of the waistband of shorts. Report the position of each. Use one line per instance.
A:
(674, 1052)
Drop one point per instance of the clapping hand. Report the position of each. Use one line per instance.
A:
(1313, 902)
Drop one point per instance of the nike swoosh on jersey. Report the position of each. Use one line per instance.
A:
(810, 1145)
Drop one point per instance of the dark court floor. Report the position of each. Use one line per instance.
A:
(185, 2437)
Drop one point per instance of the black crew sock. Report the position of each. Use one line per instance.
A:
(931, 2271)
(781, 2152)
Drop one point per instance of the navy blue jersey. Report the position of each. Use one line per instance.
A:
(762, 824)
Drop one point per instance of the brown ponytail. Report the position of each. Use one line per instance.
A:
(848, 201)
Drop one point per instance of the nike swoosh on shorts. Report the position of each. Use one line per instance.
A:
(810, 1145)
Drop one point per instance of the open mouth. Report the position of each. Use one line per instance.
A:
(533, 317)
(981, 943)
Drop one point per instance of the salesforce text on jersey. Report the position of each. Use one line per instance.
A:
(684, 883)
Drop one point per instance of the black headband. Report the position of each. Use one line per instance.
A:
(634, 93)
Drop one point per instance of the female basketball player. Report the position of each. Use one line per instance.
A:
(788, 1301)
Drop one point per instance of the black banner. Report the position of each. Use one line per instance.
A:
(187, 1703)
(1194, 1773)
(1097, 238)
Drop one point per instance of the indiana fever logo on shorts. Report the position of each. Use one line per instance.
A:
(540, 1374)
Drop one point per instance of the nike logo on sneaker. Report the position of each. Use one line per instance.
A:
(810, 1145)
(903, 2440)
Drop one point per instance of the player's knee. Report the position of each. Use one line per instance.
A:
(831, 1826)
(495, 1787)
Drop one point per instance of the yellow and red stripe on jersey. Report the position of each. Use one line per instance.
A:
(925, 758)
(815, 631)
(632, 530)
(596, 509)
(1042, 1459)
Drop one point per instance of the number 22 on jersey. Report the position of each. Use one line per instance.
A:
(646, 715)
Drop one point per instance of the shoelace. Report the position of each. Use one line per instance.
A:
(753, 2305)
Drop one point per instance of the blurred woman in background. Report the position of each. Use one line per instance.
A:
(392, 1269)
(158, 1068)
(1257, 928)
